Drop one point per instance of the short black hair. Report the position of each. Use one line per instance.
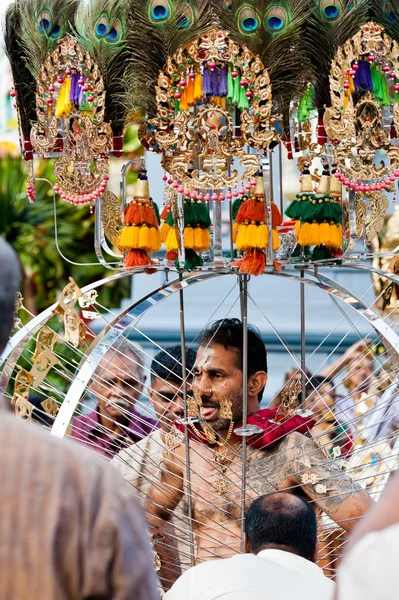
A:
(229, 333)
(282, 520)
(166, 365)
(317, 381)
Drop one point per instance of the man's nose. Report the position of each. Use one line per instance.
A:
(178, 406)
(202, 383)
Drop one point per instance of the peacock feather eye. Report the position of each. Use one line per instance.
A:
(276, 19)
(228, 5)
(44, 22)
(248, 20)
(330, 10)
(159, 11)
(102, 27)
(392, 12)
(186, 18)
(58, 30)
(114, 34)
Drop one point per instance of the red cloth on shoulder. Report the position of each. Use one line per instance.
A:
(272, 432)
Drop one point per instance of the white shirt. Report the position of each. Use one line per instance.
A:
(370, 570)
(271, 575)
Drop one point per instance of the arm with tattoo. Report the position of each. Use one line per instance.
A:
(336, 493)
(161, 501)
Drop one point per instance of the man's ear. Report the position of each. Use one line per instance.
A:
(247, 549)
(316, 551)
(257, 382)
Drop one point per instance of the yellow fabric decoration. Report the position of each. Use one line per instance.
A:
(64, 106)
(190, 92)
(183, 100)
(198, 87)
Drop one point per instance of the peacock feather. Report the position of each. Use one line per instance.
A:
(156, 29)
(330, 24)
(43, 25)
(222, 14)
(274, 30)
(24, 82)
(386, 13)
(101, 30)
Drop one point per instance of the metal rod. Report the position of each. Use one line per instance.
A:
(187, 439)
(217, 233)
(231, 230)
(280, 174)
(122, 181)
(267, 183)
(244, 313)
(303, 338)
(180, 226)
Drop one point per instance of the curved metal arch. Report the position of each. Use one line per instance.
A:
(107, 337)
(114, 330)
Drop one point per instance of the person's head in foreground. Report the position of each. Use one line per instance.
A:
(278, 563)
(167, 383)
(118, 381)
(281, 521)
(218, 372)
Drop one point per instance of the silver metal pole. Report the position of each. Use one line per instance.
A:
(280, 173)
(267, 183)
(187, 439)
(244, 313)
(303, 338)
(180, 225)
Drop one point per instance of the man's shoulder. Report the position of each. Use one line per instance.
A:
(151, 444)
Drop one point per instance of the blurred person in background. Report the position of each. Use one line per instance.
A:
(70, 527)
(116, 387)
(139, 462)
(279, 559)
(329, 431)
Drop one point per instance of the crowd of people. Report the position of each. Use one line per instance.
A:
(73, 524)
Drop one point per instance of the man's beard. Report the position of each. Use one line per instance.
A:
(233, 400)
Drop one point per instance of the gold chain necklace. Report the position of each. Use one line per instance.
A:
(221, 462)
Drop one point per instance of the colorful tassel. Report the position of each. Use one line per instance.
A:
(241, 237)
(137, 258)
(253, 263)
(171, 241)
(262, 236)
(198, 87)
(64, 106)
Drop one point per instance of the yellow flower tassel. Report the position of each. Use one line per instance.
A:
(241, 237)
(252, 231)
(171, 241)
(262, 237)
(276, 240)
(129, 237)
(189, 237)
(165, 228)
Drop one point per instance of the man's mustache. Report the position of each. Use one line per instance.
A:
(208, 403)
(122, 402)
